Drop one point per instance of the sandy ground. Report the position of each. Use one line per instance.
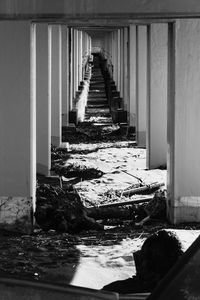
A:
(119, 164)
(101, 264)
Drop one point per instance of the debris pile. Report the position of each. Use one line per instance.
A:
(58, 154)
(137, 210)
(76, 170)
(62, 210)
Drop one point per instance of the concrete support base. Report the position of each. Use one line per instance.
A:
(16, 214)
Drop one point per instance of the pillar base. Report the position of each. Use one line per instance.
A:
(64, 119)
(73, 117)
(55, 140)
(16, 214)
(141, 139)
(42, 169)
(186, 210)
(64, 145)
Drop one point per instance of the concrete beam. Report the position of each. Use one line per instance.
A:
(18, 125)
(99, 8)
(157, 96)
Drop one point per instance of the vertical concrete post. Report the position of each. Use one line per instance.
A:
(121, 73)
(43, 100)
(118, 63)
(131, 105)
(65, 74)
(125, 67)
(71, 68)
(80, 56)
(183, 121)
(17, 125)
(157, 96)
(75, 66)
(141, 85)
(56, 84)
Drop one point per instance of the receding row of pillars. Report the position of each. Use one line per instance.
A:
(156, 70)
(157, 74)
(41, 67)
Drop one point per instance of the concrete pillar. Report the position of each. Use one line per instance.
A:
(43, 100)
(125, 67)
(157, 96)
(118, 62)
(184, 122)
(17, 125)
(65, 75)
(80, 56)
(131, 105)
(122, 67)
(56, 84)
(75, 66)
(141, 85)
(71, 69)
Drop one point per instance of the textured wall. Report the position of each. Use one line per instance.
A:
(75, 8)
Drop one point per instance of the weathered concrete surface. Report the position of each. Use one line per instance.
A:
(157, 95)
(56, 84)
(141, 85)
(16, 214)
(97, 8)
(17, 110)
(184, 116)
(43, 100)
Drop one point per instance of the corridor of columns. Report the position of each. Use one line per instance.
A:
(77, 77)
(136, 66)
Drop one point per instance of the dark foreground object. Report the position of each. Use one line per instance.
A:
(157, 256)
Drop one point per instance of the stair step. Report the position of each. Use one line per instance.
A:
(97, 105)
(99, 101)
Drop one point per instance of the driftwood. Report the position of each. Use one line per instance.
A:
(121, 203)
(147, 188)
(154, 207)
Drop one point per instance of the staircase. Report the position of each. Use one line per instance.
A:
(97, 109)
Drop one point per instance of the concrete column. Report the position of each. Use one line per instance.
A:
(184, 122)
(43, 100)
(157, 96)
(114, 56)
(17, 125)
(56, 84)
(71, 68)
(121, 73)
(80, 56)
(65, 75)
(131, 105)
(118, 63)
(125, 67)
(141, 85)
(75, 54)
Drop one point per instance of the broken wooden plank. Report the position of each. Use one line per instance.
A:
(146, 188)
(122, 203)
